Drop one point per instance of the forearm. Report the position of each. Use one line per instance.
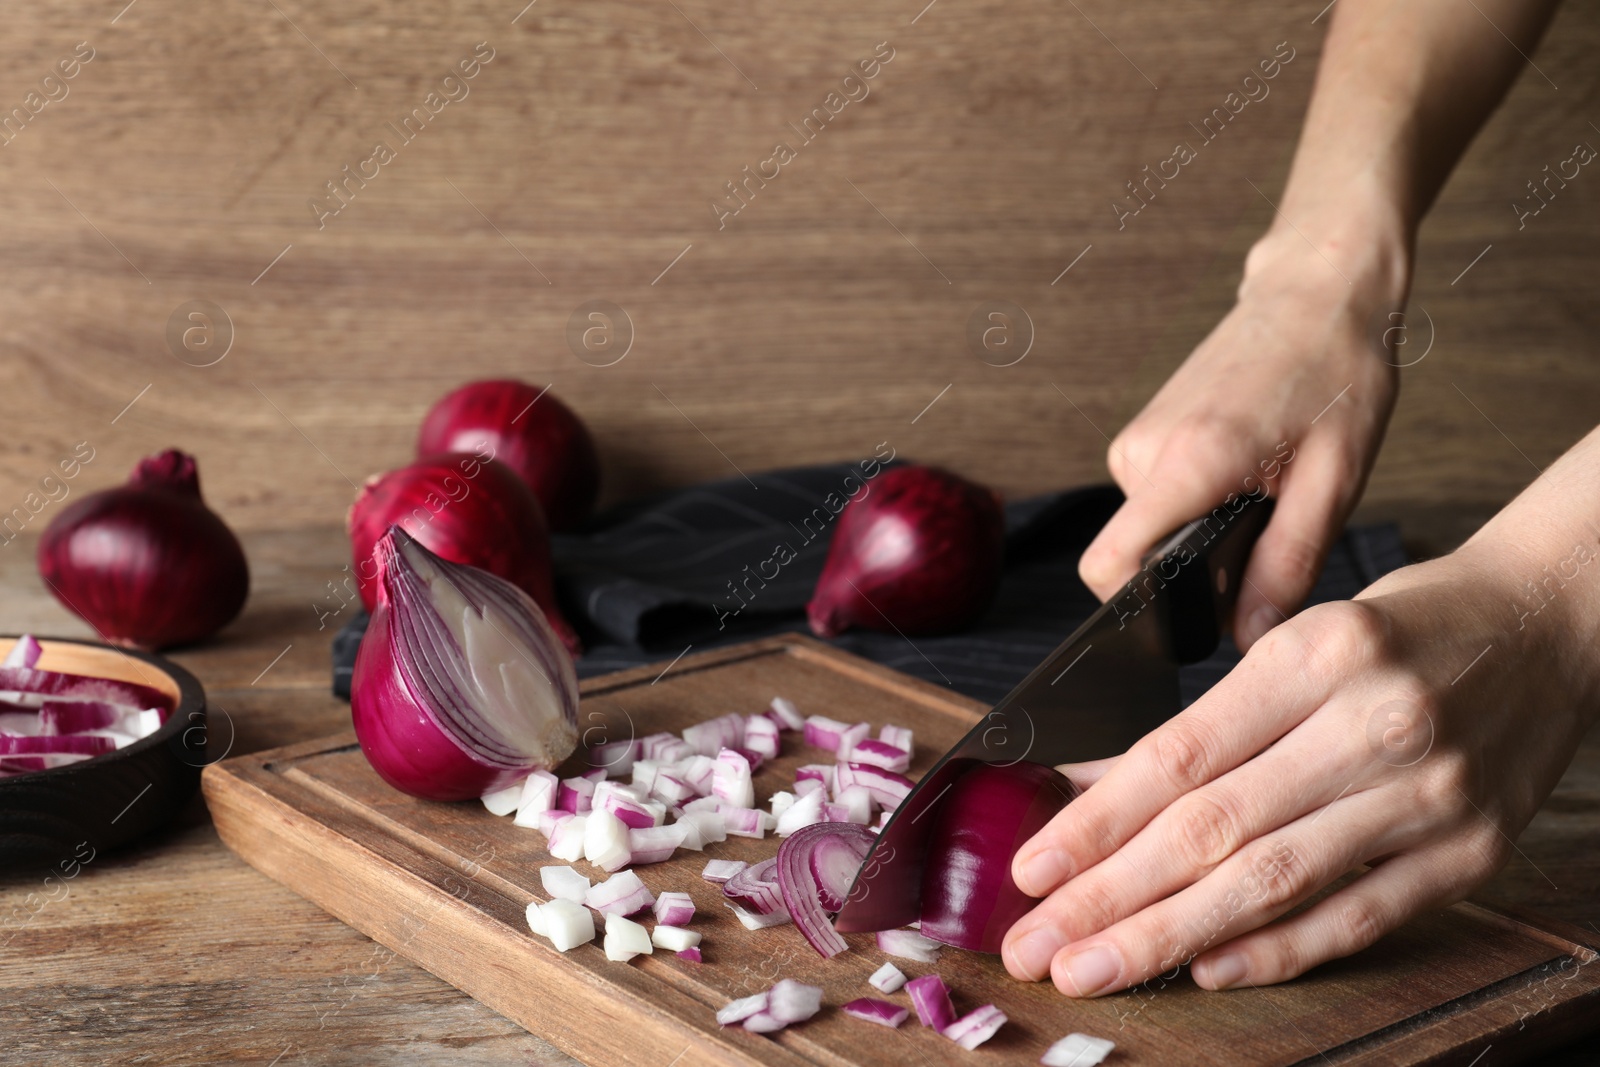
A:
(1401, 90)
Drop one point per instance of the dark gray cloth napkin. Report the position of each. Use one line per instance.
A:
(657, 577)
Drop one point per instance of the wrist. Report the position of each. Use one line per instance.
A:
(1351, 247)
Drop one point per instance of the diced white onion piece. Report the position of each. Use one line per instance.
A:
(1077, 1050)
(670, 788)
(881, 754)
(858, 802)
(564, 883)
(909, 945)
(703, 804)
(674, 938)
(536, 920)
(644, 774)
(650, 745)
(780, 802)
(804, 786)
(751, 921)
(975, 1027)
(566, 842)
(815, 772)
(566, 924)
(625, 939)
(803, 812)
(654, 844)
(614, 757)
(503, 801)
(761, 736)
(674, 909)
(696, 771)
(898, 736)
(763, 1023)
(887, 979)
(731, 780)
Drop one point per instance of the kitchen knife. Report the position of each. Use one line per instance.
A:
(1110, 683)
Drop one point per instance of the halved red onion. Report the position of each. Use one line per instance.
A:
(460, 685)
(876, 1011)
(931, 997)
(968, 897)
(843, 846)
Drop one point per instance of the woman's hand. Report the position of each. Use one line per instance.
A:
(1290, 392)
(1415, 729)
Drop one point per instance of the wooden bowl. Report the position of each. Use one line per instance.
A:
(60, 815)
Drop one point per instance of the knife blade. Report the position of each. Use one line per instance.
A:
(1112, 681)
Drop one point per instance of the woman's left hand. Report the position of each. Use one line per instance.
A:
(1415, 730)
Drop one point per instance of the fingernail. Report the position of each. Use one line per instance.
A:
(1033, 952)
(1223, 972)
(1261, 620)
(1091, 971)
(1042, 872)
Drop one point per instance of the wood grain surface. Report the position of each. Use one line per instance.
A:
(822, 319)
(176, 952)
(445, 885)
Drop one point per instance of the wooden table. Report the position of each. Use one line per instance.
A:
(176, 952)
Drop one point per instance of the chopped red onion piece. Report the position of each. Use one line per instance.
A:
(692, 954)
(876, 1011)
(886, 787)
(881, 754)
(539, 792)
(597, 775)
(24, 653)
(817, 772)
(1077, 1050)
(701, 828)
(887, 979)
(725, 731)
(644, 773)
(719, 871)
(731, 780)
(823, 732)
(975, 1027)
(780, 802)
(76, 716)
(931, 997)
(675, 752)
(671, 788)
(857, 803)
(751, 921)
(761, 736)
(635, 814)
(74, 744)
(755, 759)
(614, 757)
(804, 786)
(909, 945)
(803, 812)
(549, 820)
(697, 771)
(503, 801)
(793, 1002)
(741, 1009)
(621, 894)
(654, 844)
(852, 736)
(650, 745)
(743, 822)
(575, 795)
(674, 909)
(898, 736)
(703, 804)
(785, 714)
(674, 938)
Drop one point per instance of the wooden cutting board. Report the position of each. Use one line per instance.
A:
(445, 885)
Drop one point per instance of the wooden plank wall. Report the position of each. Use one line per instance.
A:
(581, 161)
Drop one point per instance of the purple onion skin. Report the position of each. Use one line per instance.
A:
(147, 564)
(968, 897)
(545, 443)
(400, 740)
(466, 510)
(921, 546)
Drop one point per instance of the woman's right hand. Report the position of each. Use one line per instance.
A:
(1291, 392)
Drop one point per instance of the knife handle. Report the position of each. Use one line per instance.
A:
(1202, 566)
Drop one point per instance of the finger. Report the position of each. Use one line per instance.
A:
(1173, 494)
(1083, 775)
(1262, 881)
(1241, 715)
(1196, 834)
(1344, 923)
(1314, 498)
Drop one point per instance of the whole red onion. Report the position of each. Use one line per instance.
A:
(147, 564)
(468, 510)
(528, 430)
(918, 553)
